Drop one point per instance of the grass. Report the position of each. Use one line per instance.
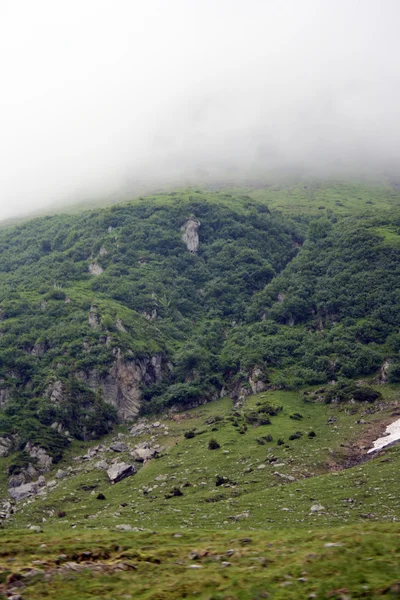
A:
(390, 235)
(268, 486)
(344, 562)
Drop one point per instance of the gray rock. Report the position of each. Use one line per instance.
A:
(316, 508)
(190, 234)
(285, 477)
(138, 429)
(101, 464)
(61, 474)
(44, 461)
(95, 269)
(55, 392)
(121, 386)
(124, 527)
(23, 491)
(119, 471)
(118, 447)
(5, 446)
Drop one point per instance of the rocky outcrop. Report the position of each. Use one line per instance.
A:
(95, 269)
(43, 460)
(191, 234)
(94, 319)
(121, 387)
(120, 326)
(4, 396)
(382, 377)
(256, 381)
(5, 446)
(39, 349)
(55, 392)
(119, 471)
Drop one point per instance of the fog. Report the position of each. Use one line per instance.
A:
(106, 97)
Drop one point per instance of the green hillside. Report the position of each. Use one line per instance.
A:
(251, 338)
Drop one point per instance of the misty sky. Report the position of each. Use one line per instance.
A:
(100, 95)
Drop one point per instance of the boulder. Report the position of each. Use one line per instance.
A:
(118, 447)
(119, 471)
(143, 454)
(23, 491)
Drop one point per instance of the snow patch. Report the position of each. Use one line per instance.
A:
(392, 434)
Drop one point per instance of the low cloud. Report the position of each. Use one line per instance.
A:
(104, 97)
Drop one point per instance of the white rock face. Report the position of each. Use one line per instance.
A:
(5, 446)
(190, 234)
(392, 434)
(95, 269)
(94, 319)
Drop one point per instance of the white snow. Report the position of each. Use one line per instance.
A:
(392, 434)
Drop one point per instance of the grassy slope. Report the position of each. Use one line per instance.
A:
(289, 555)
(206, 516)
(351, 495)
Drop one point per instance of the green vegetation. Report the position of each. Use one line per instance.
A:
(329, 563)
(293, 293)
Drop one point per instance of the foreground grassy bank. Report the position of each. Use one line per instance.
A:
(347, 562)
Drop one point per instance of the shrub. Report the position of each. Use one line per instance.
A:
(295, 436)
(213, 444)
(280, 442)
(296, 417)
(189, 434)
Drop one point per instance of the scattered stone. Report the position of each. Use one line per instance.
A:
(317, 508)
(101, 464)
(124, 527)
(61, 474)
(285, 477)
(119, 447)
